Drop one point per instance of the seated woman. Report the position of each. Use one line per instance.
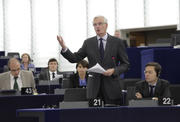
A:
(79, 79)
(26, 63)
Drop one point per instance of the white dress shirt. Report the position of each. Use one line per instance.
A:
(51, 74)
(19, 81)
(103, 41)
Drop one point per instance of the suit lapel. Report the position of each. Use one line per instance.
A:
(48, 75)
(22, 78)
(77, 80)
(8, 81)
(158, 86)
(146, 92)
(96, 50)
(107, 48)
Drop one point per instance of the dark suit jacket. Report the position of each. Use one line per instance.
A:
(44, 74)
(125, 43)
(161, 89)
(74, 80)
(114, 48)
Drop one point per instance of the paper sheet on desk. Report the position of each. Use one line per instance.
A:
(97, 69)
(57, 77)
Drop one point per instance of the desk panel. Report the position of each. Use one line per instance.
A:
(111, 114)
(48, 89)
(9, 104)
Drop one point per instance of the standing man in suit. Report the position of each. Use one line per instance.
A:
(51, 72)
(16, 78)
(106, 50)
(152, 86)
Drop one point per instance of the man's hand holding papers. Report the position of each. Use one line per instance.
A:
(99, 69)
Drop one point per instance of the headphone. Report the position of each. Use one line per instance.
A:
(158, 72)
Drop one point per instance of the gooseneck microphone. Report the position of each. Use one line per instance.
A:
(49, 86)
(114, 62)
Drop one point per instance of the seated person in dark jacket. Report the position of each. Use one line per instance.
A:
(51, 71)
(79, 79)
(152, 87)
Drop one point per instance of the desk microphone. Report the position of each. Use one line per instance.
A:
(49, 87)
(114, 63)
(113, 58)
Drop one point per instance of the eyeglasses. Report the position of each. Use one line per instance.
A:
(15, 70)
(149, 72)
(100, 24)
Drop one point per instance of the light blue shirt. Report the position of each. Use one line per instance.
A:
(31, 67)
(82, 82)
(104, 40)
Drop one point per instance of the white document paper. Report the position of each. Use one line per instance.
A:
(57, 77)
(97, 69)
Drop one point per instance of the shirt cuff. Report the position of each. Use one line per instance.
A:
(64, 50)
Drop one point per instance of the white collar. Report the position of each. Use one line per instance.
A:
(12, 77)
(104, 37)
(52, 72)
(153, 84)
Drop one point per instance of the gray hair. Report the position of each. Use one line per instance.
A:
(12, 61)
(118, 31)
(105, 20)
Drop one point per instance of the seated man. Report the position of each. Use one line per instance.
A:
(51, 71)
(16, 78)
(152, 86)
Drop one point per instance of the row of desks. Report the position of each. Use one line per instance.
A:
(35, 108)
(9, 104)
(112, 114)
